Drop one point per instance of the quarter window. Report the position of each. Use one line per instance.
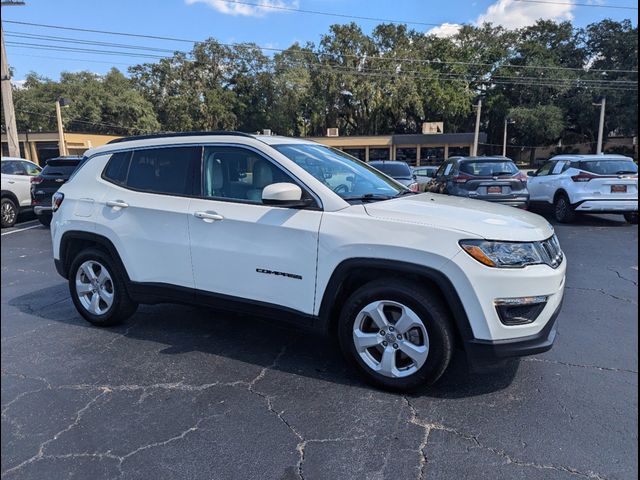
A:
(118, 167)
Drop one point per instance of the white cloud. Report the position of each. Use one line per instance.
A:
(19, 84)
(445, 30)
(246, 10)
(513, 14)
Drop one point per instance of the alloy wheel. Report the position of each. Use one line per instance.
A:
(94, 287)
(390, 339)
(8, 213)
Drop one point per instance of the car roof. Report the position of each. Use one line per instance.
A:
(483, 159)
(185, 138)
(590, 157)
(15, 158)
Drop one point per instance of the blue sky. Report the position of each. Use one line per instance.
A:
(238, 22)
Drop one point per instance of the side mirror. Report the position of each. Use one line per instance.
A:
(532, 173)
(284, 195)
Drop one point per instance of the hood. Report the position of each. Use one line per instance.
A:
(474, 217)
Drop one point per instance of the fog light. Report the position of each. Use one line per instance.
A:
(520, 311)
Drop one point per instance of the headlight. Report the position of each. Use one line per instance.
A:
(514, 254)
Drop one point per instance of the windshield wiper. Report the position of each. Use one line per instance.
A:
(621, 172)
(405, 192)
(368, 197)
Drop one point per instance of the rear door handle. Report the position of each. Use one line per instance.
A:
(117, 204)
(208, 216)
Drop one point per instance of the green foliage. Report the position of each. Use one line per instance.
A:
(389, 81)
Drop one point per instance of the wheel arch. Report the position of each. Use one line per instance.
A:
(11, 196)
(73, 242)
(560, 192)
(353, 273)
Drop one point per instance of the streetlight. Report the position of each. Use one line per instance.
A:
(507, 121)
(62, 146)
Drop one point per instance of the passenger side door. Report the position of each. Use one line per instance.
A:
(146, 206)
(244, 249)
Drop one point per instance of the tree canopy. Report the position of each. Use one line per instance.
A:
(545, 77)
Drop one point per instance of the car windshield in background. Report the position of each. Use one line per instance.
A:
(393, 169)
(60, 167)
(488, 169)
(345, 175)
(609, 167)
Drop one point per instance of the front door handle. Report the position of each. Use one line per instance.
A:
(117, 204)
(208, 216)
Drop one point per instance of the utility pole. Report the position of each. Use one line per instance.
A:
(62, 146)
(602, 105)
(476, 135)
(507, 121)
(7, 96)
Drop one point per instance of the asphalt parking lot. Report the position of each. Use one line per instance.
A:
(182, 392)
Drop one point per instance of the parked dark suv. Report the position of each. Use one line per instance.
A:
(55, 173)
(494, 179)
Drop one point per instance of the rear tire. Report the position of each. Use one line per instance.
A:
(45, 220)
(632, 218)
(563, 210)
(98, 289)
(429, 340)
(8, 213)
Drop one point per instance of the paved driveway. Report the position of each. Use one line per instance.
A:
(182, 392)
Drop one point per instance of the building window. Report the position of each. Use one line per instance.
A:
(379, 154)
(431, 155)
(459, 151)
(407, 155)
(359, 153)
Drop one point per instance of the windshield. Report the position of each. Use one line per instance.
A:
(345, 175)
(395, 170)
(609, 167)
(489, 169)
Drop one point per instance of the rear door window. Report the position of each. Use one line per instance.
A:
(171, 170)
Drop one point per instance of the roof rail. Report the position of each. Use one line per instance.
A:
(178, 134)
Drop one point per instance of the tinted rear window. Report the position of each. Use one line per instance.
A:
(395, 170)
(60, 167)
(164, 170)
(609, 167)
(488, 169)
(118, 167)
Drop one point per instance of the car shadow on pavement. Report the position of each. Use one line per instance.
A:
(587, 220)
(185, 329)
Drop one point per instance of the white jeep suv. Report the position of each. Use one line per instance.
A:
(294, 230)
(587, 184)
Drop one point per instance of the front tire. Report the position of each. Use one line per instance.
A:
(563, 210)
(631, 217)
(8, 213)
(398, 336)
(98, 290)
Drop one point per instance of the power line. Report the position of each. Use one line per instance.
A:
(328, 14)
(358, 57)
(77, 59)
(573, 4)
(72, 120)
(625, 85)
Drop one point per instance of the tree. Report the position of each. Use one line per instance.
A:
(540, 125)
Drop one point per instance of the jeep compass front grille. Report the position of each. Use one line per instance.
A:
(552, 252)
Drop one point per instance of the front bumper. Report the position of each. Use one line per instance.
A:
(483, 352)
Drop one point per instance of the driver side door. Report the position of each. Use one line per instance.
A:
(242, 249)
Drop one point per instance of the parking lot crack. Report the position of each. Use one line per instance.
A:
(603, 292)
(41, 449)
(474, 439)
(415, 420)
(302, 443)
(577, 365)
(622, 277)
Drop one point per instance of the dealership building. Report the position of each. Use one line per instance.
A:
(418, 149)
